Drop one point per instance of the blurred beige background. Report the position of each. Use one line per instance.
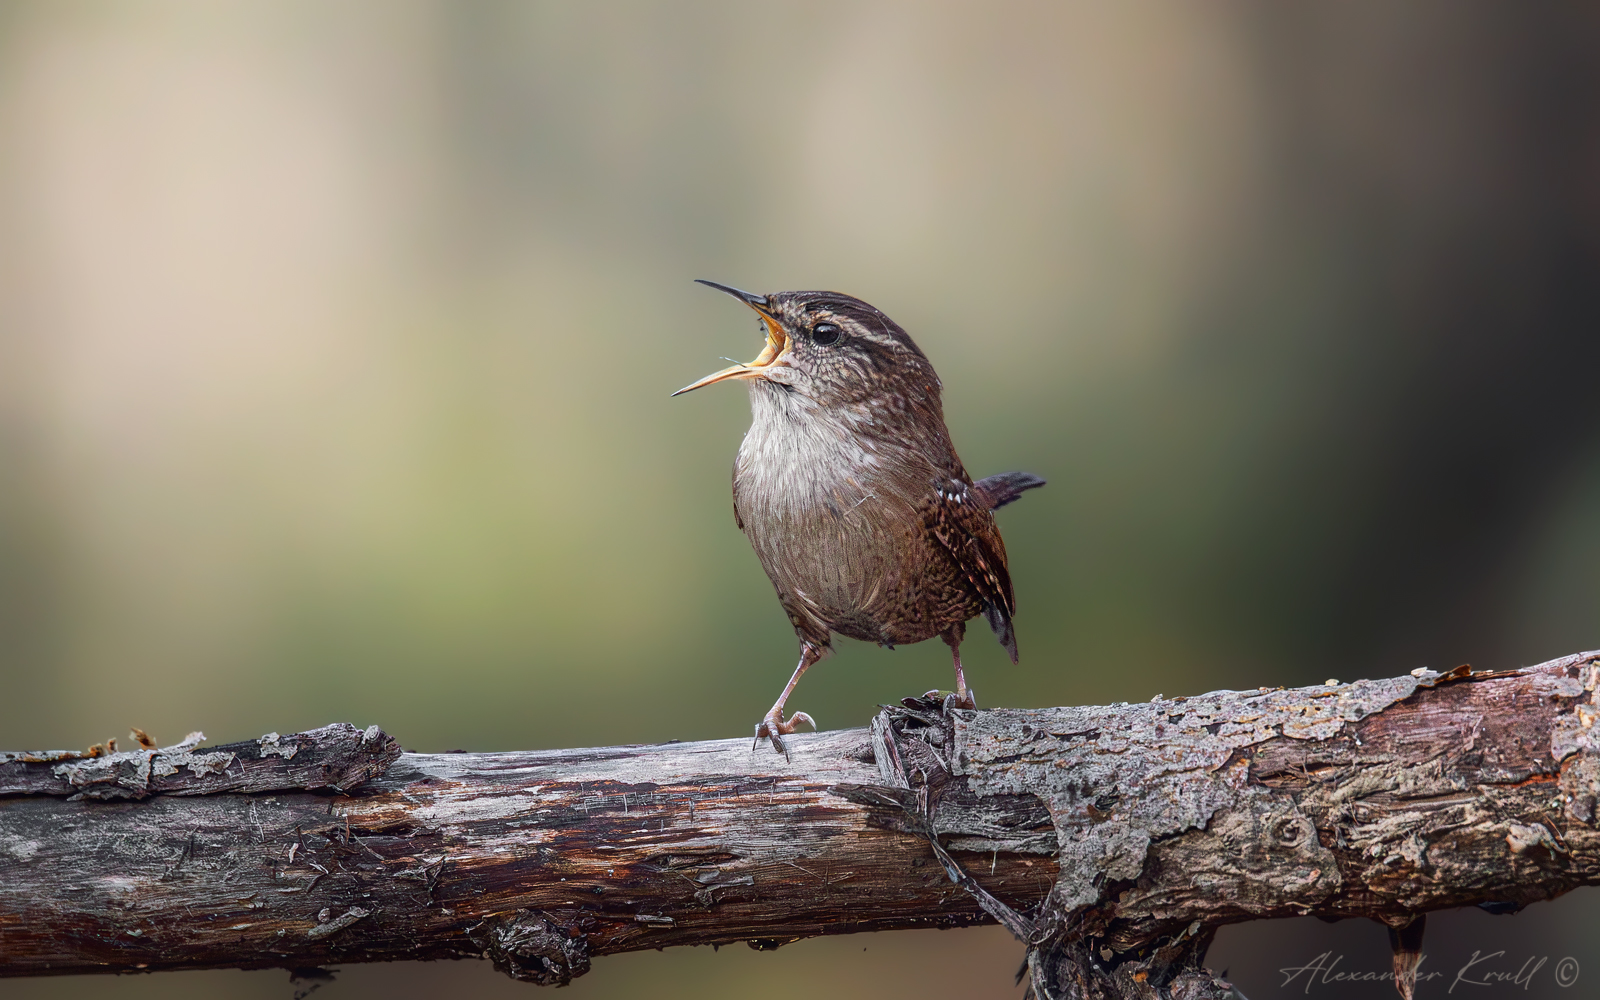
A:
(336, 339)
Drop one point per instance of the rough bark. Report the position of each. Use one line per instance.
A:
(1113, 840)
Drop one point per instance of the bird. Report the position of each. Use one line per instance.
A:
(852, 495)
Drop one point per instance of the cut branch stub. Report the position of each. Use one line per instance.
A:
(527, 946)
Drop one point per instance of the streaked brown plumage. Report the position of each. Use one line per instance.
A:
(851, 493)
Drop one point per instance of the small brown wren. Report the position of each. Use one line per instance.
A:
(850, 491)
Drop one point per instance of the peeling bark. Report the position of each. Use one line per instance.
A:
(1112, 840)
(337, 757)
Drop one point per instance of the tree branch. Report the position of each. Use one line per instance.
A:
(1113, 840)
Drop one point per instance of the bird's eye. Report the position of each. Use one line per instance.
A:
(825, 334)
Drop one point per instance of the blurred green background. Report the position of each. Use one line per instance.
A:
(336, 342)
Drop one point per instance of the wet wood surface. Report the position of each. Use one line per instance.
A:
(1114, 839)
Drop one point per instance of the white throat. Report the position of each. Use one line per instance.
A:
(798, 454)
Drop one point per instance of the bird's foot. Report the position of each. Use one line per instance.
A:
(774, 728)
(942, 701)
(967, 699)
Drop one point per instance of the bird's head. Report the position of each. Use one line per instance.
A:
(833, 349)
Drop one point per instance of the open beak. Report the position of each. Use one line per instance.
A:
(777, 341)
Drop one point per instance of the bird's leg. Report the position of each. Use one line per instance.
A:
(773, 727)
(963, 698)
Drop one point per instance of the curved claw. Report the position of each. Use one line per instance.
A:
(774, 728)
(952, 701)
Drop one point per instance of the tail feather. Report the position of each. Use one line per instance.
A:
(1000, 622)
(997, 491)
